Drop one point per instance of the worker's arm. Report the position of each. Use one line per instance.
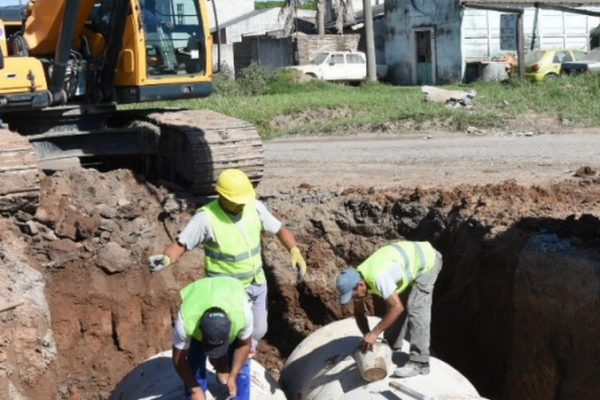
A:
(395, 309)
(174, 251)
(286, 237)
(185, 373)
(360, 316)
(240, 355)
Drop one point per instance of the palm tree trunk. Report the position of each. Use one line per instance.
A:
(321, 12)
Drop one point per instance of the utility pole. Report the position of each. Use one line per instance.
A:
(370, 41)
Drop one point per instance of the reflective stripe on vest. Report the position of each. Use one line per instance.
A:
(237, 253)
(225, 293)
(415, 258)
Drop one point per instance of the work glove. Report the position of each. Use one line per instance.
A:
(158, 262)
(298, 263)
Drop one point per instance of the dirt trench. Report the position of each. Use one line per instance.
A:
(516, 307)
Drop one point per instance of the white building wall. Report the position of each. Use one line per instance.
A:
(258, 24)
(556, 29)
(228, 10)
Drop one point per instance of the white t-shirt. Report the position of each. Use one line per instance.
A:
(387, 279)
(199, 231)
(182, 342)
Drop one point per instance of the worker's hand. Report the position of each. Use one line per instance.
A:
(169, 24)
(298, 263)
(232, 386)
(158, 262)
(368, 340)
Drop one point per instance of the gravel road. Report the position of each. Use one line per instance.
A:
(427, 160)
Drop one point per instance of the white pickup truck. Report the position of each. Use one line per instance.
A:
(336, 66)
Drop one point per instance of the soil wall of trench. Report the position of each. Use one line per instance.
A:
(516, 307)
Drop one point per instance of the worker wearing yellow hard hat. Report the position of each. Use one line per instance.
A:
(229, 228)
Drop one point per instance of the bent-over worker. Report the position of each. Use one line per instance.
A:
(214, 321)
(388, 273)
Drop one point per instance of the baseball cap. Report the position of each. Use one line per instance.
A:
(215, 327)
(346, 282)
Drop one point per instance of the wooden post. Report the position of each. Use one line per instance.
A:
(521, 46)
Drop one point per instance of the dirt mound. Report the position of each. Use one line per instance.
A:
(90, 237)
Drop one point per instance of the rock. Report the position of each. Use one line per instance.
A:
(106, 211)
(108, 225)
(32, 228)
(453, 97)
(585, 171)
(112, 258)
(62, 251)
(87, 226)
(65, 227)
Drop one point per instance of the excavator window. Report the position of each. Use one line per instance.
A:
(174, 37)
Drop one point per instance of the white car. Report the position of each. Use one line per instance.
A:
(336, 66)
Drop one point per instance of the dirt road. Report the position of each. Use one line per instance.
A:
(428, 160)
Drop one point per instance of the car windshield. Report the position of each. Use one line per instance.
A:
(534, 56)
(593, 55)
(319, 58)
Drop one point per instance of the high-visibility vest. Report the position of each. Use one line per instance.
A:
(225, 293)
(415, 258)
(236, 254)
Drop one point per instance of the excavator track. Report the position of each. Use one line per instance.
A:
(195, 146)
(19, 174)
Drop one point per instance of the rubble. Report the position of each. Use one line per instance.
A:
(449, 97)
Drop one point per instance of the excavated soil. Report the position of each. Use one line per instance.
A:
(516, 307)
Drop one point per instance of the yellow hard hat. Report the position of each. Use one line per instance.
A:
(234, 185)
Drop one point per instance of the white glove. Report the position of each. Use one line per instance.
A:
(158, 262)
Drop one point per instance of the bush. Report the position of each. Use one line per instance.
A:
(224, 83)
(255, 79)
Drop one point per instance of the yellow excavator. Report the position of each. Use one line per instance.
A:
(66, 65)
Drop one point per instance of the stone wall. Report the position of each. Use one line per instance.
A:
(308, 46)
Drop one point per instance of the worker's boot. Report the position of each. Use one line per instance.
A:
(411, 368)
(221, 366)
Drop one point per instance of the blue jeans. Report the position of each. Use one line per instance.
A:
(197, 360)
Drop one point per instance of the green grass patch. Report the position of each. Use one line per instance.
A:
(278, 105)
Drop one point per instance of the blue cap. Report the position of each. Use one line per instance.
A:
(215, 327)
(346, 282)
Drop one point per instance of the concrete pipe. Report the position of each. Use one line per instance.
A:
(156, 378)
(322, 368)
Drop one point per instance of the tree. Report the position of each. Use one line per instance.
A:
(343, 10)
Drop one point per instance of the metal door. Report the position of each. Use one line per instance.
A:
(424, 57)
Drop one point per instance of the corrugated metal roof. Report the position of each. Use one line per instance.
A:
(243, 17)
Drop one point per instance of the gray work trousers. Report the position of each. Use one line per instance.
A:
(258, 295)
(416, 320)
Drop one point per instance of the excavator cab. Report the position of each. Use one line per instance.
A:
(69, 64)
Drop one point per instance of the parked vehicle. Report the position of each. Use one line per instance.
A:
(336, 66)
(590, 64)
(541, 65)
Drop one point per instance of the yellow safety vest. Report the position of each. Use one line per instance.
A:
(225, 293)
(416, 258)
(236, 254)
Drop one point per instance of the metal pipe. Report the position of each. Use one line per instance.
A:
(118, 18)
(63, 49)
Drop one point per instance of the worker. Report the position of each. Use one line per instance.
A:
(214, 321)
(388, 273)
(230, 230)
(151, 20)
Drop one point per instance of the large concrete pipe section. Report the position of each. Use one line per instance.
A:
(156, 378)
(322, 368)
